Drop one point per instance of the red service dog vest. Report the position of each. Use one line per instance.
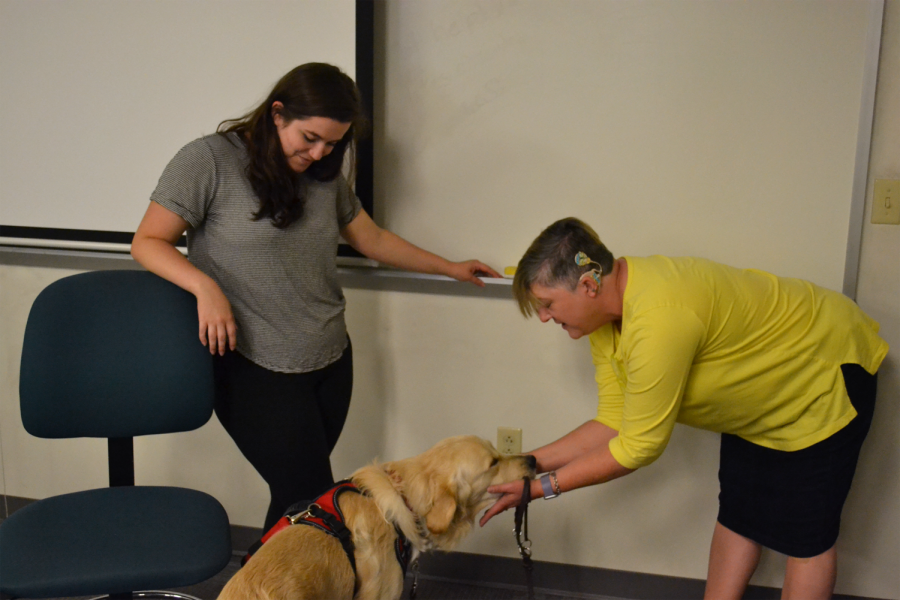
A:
(324, 513)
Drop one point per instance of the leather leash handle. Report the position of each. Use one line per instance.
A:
(521, 523)
(521, 531)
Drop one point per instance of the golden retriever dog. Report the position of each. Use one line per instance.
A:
(433, 498)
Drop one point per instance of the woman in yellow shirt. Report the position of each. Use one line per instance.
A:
(784, 369)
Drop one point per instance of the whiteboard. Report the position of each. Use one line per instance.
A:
(96, 96)
(728, 130)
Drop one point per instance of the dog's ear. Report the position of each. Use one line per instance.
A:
(442, 512)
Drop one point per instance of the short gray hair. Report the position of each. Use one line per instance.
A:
(550, 260)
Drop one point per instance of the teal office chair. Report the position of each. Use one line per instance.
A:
(114, 354)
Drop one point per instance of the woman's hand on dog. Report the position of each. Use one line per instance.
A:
(510, 496)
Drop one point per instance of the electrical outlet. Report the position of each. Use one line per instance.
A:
(509, 440)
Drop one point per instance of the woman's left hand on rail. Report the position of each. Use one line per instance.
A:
(469, 270)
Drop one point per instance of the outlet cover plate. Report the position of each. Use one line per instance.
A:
(509, 440)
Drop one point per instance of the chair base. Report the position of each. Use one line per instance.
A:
(149, 595)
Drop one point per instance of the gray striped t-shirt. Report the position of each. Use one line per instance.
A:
(282, 283)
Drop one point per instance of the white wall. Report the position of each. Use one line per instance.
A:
(457, 131)
(676, 128)
(430, 366)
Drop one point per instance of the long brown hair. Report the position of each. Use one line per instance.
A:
(310, 90)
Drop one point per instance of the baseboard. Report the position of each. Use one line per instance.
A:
(242, 537)
(576, 580)
(556, 577)
(10, 504)
(501, 571)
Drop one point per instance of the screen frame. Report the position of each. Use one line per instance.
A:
(119, 242)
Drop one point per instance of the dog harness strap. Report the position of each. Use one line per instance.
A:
(403, 550)
(323, 513)
(327, 522)
(328, 503)
(283, 523)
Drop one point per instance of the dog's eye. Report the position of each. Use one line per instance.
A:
(495, 461)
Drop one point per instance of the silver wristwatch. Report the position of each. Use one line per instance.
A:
(551, 490)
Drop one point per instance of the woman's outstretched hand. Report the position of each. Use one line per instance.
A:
(510, 496)
(469, 270)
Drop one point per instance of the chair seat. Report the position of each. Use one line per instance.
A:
(74, 544)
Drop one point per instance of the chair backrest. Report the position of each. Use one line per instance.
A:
(114, 354)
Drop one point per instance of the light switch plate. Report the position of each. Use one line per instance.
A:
(886, 202)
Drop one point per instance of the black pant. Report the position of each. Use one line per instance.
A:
(285, 424)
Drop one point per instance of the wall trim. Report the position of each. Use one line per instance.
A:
(863, 148)
(352, 273)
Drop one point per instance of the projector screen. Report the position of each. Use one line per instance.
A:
(98, 95)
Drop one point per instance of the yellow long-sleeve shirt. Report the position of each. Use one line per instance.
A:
(728, 350)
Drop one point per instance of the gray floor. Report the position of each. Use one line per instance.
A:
(451, 576)
(429, 588)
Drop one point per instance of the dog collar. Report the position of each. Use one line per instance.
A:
(421, 528)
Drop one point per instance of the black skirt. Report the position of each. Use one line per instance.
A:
(791, 502)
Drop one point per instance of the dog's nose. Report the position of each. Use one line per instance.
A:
(531, 461)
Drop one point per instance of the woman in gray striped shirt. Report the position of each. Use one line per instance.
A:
(263, 202)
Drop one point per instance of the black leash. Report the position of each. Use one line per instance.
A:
(415, 585)
(522, 541)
